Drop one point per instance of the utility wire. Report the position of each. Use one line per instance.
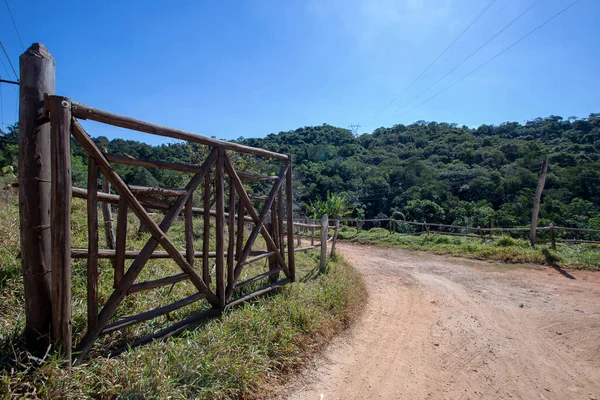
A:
(14, 24)
(436, 59)
(469, 56)
(10, 62)
(496, 56)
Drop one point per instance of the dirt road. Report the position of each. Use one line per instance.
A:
(447, 328)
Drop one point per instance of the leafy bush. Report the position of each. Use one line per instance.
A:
(506, 241)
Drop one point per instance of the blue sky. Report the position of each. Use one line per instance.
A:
(249, 68)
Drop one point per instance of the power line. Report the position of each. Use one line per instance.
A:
(469, 56)
(437, 58)
(14, 24)
(496, 56)
(10, 62)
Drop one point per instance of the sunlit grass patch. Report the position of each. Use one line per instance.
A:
(503, 248)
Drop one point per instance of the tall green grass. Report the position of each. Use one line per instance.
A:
(243, 353)
(500, 248)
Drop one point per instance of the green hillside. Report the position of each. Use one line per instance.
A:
(439, 172)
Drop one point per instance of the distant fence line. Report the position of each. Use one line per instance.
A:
(479, 232)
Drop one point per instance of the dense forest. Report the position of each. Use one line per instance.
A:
(438, 172)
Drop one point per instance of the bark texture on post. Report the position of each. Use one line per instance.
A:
(37, 70)
(536, 202)
(60, 231)
(107, 216)
(335, 235)
(290, 222)
(324, 229)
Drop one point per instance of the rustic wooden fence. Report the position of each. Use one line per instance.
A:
(64, 115)
(308, 228)
(393, 225)
(48, 126)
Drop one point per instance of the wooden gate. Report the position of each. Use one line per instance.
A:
(232, 253)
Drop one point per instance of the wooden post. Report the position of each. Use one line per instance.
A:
(312, 235)
(239, 245)
(552, 239)
(280, 228)
(271, 225)
(290, 222)
(107, 216)
(324, 228)
(335, 235)
(536, 202)
(220, 230)
(231, 232)
(37, 70)
(60, 229)
(299, 232)
(206, 231)
(189, 232)
(92, 261)
(120, 242)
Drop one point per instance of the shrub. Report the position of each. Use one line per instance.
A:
(506, 241)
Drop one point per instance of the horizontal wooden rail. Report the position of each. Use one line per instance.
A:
(85, 112)
(155, 204)
(580, 241)
(132, 254)
(259, 292)
(563, 228)
(145, 316)
(302, 225)
(259, 277)
(448, 234)
(143, 162)
(430, 224)
(316, 246)
(157, 191)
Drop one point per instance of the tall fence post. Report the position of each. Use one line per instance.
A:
(60, 229)
(290, 221)
(552, 238)
(324, 229)
(37, 71)
(536, 202)
(335, 235)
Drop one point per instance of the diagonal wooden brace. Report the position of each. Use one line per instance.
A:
(259, 222)
(157, 231)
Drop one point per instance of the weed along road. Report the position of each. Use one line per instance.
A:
(438, 327)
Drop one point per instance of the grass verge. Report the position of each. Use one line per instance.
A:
(242, 354)
(502, 248)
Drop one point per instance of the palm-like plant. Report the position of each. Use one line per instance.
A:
(334, 206)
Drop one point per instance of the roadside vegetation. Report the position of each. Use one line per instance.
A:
(247, 352)
(498, 248)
